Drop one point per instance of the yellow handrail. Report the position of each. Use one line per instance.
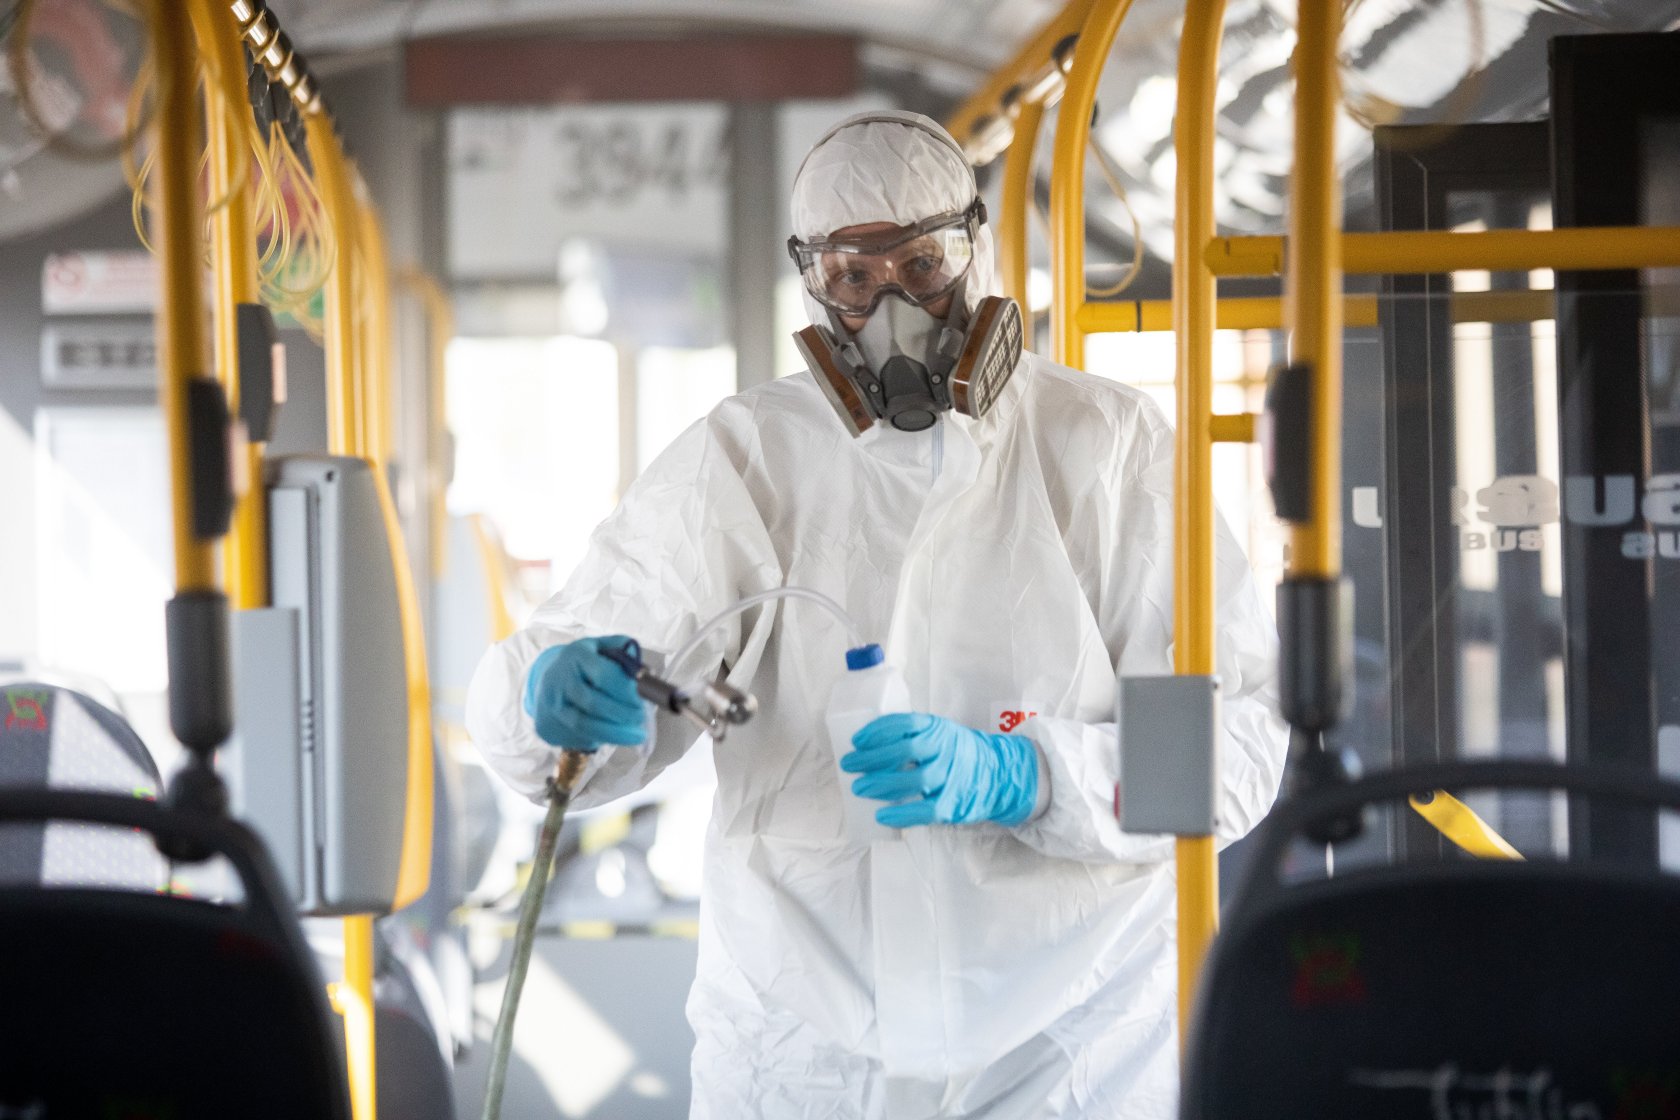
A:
(346, 432)
(1495, 250)
(414, 871)
(353, 1000)
(1014, 254)
(1067, 178)
(1193, 534)
(494, 560)
(988, 100)
(182, 350)
(233, 254)
(370, 376)
(375, 390)
(1266, 312)
(1313, 302)
(415, 868)
(379, 418)
(1235, 427)
(338, 334)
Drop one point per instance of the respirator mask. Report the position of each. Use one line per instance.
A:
(904, 366)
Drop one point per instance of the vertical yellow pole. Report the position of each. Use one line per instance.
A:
(376, 377)
(1067, 180)
(414, 872)
(378, 400)
(346, 436)
(355, 1003)
(343, 418)
(1013, 230)
(356, 322)
(233, 253)
(1194, 309)
(1313, 302)
(496, 587)
(182, 350)
(366, 327)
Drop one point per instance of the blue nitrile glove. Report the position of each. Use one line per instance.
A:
(578, 698)
(942, 771)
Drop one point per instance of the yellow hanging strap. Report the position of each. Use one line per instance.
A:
(1459, 823)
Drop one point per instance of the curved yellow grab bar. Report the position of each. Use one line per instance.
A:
(1067, 178)
(1014, 245)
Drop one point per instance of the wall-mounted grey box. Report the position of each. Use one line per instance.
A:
(1169, 744)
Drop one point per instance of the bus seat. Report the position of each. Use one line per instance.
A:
(431, 924)
(144, 1005)
(1493, 988)
(414, 1082)
(415, 1043)
(415, 1046)
(54, 738)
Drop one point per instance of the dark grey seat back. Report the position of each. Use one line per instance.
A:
(126, 1004)
(1460, 989)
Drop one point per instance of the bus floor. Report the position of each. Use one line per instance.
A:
(601, 1030)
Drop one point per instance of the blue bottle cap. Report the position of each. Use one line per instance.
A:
(864, 657)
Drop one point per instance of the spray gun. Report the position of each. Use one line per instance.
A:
(714, 706)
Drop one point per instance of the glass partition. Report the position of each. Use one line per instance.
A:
(1462, 535)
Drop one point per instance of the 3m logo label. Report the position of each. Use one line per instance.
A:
(1011, 718)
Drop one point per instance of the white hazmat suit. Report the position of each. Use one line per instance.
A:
(1012, 566)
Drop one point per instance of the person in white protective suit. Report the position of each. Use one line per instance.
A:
(1005, 525)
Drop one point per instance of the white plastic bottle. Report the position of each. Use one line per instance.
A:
(869, 688)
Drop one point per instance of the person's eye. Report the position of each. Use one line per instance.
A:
(923, 265)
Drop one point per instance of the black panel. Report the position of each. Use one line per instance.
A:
(1607, 91)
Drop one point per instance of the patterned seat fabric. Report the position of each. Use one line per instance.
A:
(55, 738)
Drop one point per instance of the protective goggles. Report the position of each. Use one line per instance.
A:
(922, 262)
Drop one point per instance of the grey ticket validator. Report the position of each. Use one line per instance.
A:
(324, 737)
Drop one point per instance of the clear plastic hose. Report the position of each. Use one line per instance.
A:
(752, 601)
